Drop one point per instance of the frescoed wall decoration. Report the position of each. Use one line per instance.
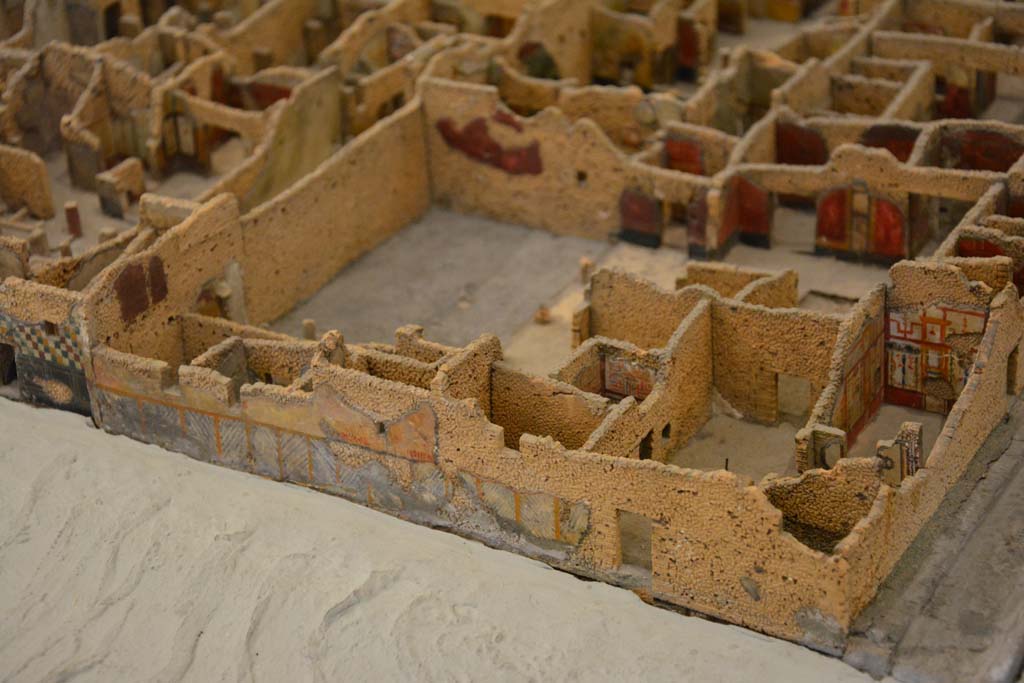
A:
(923, 369)
(625, 377)
(863, 380)
(853, 221)
(48, 358)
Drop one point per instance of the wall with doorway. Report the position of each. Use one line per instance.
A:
(753, 344)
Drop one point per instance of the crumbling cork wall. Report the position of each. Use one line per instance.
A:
(134, 305)
(523, 404)
(76, 272)
(878, 539)
(432, 458)
(492, 107)
(857, 372)
(664, 394)
(623, 306)
(305, 133)
(24, 181)
(275, 30)
(287, 261)
(754, 345)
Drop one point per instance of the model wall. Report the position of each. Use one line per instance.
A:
(305, 133)
(134, 306)
(544, 171)
(753, 345)
(879, 540)
(276, 26)
(428, 458)
(298, 241)
(625, 307)
(24, 181)
(679, 399)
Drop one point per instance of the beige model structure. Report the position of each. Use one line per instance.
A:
(568, 116)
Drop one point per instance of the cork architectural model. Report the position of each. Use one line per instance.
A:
(598, 119)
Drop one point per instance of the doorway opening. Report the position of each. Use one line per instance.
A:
(635, 540)
(8, 372)
(1011, 371)
(111, 19)
(647, 446)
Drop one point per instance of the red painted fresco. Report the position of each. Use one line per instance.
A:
(684, 155)
(983, 150)
(956, 104)
(918, 351)
(132, 292)
(919, 210)
(639, 212)
(157, 280)
(755, 208)
(687, 44)
(888, 238)
(414, 435)
(799, 145)
(861, 391)
(897, 139)
(904, 397)
(832, 219)
(1015, 207)
(507, 119)
(730, 217)
(975, 247)
(475, 141)
(697, 220)
(748, 210)
(218, 87)
(624, 377)
(265, 94)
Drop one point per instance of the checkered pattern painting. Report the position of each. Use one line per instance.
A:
(59, 346)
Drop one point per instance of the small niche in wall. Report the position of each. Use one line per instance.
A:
(111, 20)
(498, 26)
(794, 397)
(635, 539)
